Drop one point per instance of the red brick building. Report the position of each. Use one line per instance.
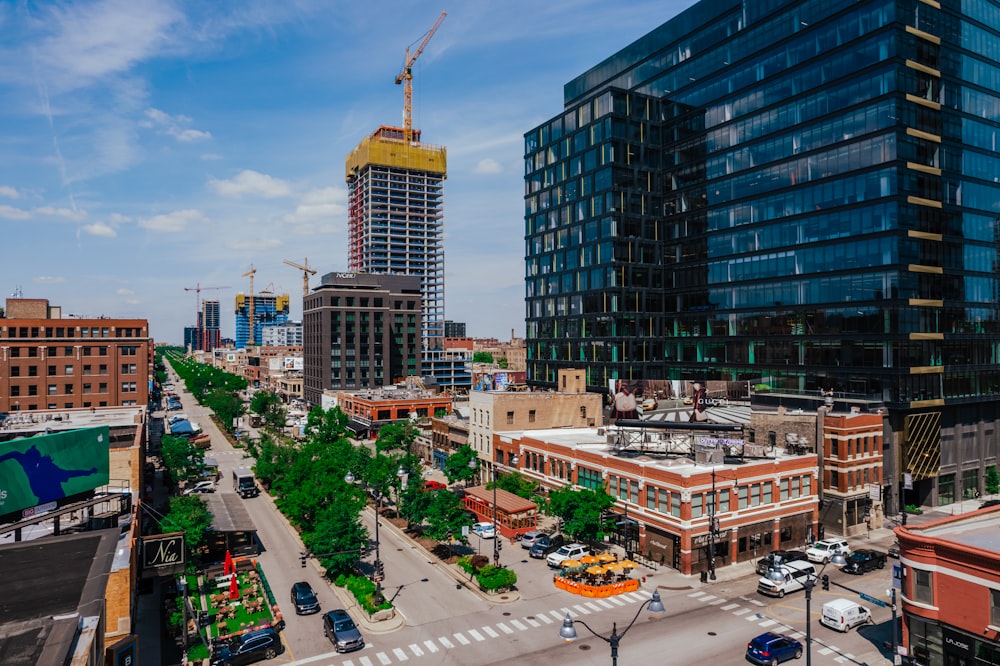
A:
(48, 362)
(761, 503)
(950, 589)
(367, 411)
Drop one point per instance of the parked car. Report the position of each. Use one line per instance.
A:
(823, 551)
(894, 550)
(528, 539)
(200, 488)
(342, 632)
(545, 545)
(248, 648)
(767, 562)
(772, 649)
(842, 614)
(864, 560)
(304, 599)
(434, 485)
(571, 551)
(988, 503)
(484, 530)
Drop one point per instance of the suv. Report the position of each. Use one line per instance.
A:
(529, 538)
(546, 544)
(342, 632)
(767, 562)
(573, 551)
(822, 551)
(771, 649)
(864, 560)
(248, 648)
(304, 599)
(794, 576)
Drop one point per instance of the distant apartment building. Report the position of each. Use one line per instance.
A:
(267, 310)
(283, 335)
(360, 331)
(454, 329)
(51, 362)
(492, 412)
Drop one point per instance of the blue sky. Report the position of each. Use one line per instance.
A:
(148, 146)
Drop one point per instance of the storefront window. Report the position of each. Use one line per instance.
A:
(946, 489)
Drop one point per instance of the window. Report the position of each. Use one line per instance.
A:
(723, 501)
(743, 493)
(68, 370)
(68, 389)
(696, 505)
(128, 369)
(589, 478)
(834, 479)
(531, 416)
(995, 607)
(834, 447)
(51, 371)
(87, 370)
(15, 371)
(102, 388)
(52, 389)
(785, 485)
(15, 391)
(633, 492)
(583, 411)
(767, 494)
(923, 590)
(510, 418)
(675, 505)
(102, 369)
(650, 497)
(86, 389)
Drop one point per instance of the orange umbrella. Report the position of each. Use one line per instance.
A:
(614, 566)
(234, 588)
(596, 571)
(628, 564)
(569, 564)
(589, 559)
(606, 557)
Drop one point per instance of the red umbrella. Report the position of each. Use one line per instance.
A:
(228, 567)
(234, 588)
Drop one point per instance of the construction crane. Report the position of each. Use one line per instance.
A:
(306, 272)
(197, 289)
(253, 338)
(405, 77)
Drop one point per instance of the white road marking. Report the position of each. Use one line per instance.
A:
(741, 611)
(461, 639)
(475, 634)
(583, 609)
(415, 649)
(402, 656)
(517, 624)
(730, 607)
(504, 628)
(431, 646)
(445, 642)
(708, 598)
(384, 658)
(489, 632)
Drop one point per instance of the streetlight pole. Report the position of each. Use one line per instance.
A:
(182, 584)
(496, 532)
(378, 569)
(777, 575)
(711, 531)
(568, 632)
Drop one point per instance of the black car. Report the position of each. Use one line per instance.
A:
(342, 632)
(304, 599)
(248, 648)
(863, 560)
(545, 545)
(988, 503)
(894, 550)
(767, 562)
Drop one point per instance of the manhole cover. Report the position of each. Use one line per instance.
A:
(504, 597)
(712, 633)
(506, 614)
(584, 647)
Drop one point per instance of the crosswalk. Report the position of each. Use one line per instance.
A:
(457, 640)
(752, 615)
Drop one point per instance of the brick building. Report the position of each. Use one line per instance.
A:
(950, 589)
(367, 411)
(762, 503)
(51, 362)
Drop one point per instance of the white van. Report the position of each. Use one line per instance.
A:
(842, 614)
(794, 574)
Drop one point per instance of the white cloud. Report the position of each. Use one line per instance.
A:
(49, 279)
(207, 157)
(174, 222)
(59, 212)
(7, 191)
(251, 182)
(125, 292)
(487, 166)
(12, 213)
(252, 244)
(175, 126)
(100, 229)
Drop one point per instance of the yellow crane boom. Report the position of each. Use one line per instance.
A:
(252, 339)
(405, 77)
(306, 272)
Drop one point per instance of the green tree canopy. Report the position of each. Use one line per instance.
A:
(482, 357)
(502, 363)
(227, 407)
(992, 481)
(456, 467)
(517, 483)
(445, 516)
(189, 514)
(183, 460)
(581, 510)
(338, 529)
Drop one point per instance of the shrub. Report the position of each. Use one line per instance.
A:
(364, 591)
(496, 578)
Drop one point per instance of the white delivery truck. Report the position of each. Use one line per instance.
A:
(842, 614)
(244, 483)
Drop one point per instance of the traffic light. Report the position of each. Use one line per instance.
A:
(302, 559)
(379, 569)
(826, 582)
(499, 544)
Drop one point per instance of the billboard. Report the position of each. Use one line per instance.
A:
(42, 470)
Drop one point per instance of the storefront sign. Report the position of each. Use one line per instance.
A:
(955, 643)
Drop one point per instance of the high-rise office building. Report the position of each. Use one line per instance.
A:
(395, 216)
(268, 310)
(790, 194)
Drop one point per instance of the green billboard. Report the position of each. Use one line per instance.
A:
(39, 471)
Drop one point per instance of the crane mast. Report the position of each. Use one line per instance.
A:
(405, 77)
(306, 272)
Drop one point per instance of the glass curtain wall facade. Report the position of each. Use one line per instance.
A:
(797, 194)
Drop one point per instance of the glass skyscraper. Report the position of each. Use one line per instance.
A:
(798, 195)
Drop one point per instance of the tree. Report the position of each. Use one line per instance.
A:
(482, 357)
(456, 467)
(992, 481)
(581, 510)
(338, 529)
(262, 401)
(227, 407)
(183, 460)
(445, 516)
(516, 483)
(189, 514)
(502, 363)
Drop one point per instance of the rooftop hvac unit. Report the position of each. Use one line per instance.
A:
(709, 456)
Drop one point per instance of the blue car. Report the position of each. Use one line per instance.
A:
(772, 649)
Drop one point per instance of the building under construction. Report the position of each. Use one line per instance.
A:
(395, 200)
(268, 310)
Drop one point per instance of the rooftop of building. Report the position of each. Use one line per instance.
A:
(28, 423)
(978, 529)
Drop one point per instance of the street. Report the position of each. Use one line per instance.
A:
(446, 623)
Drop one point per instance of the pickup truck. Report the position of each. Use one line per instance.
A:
(201, 440)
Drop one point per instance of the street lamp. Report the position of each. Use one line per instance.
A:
(568, 632)
(777, 575)
(378, 569)
(182, 586)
